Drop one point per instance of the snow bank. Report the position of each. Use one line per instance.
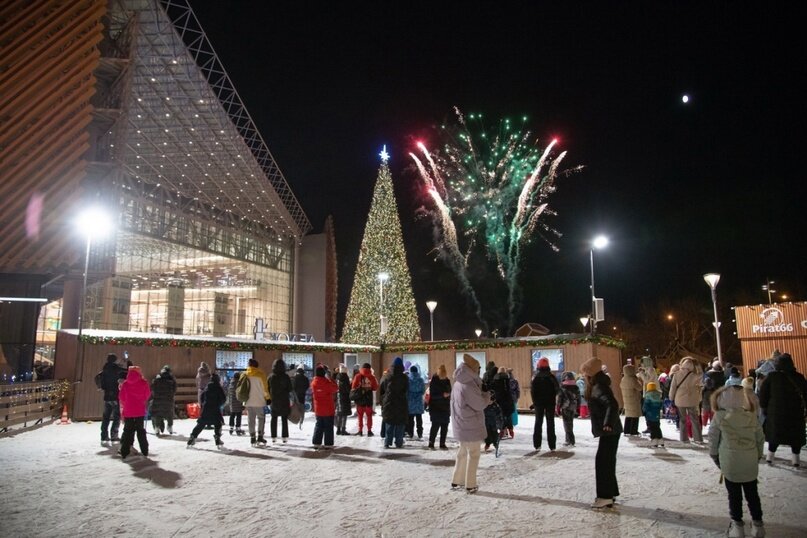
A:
(59, 481)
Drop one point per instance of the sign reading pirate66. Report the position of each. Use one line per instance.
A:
(766, 321)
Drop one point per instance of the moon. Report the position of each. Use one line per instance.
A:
(685, 98)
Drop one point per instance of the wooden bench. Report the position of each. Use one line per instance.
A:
(27, 403)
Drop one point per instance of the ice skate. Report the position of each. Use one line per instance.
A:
(252, 440)
(370, 433)
(261, 440)
(769, 458)
(736, 530)
(456, 487)
(757, 529)
(170, 430)
(191, 441)
(602, 503)
(285, 440)
(795, 460)
(472, 490)
(219, 444)
(232, 431)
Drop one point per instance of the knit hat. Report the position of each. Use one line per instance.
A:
(413, 369)
(111, 358)
(320, 370)
(397, 362)
(748, 383)
(734, 372)
(366, 365)
(253, 363)
(543, 362)
(775, 354)
(568, 376)
(784, 362)
(471, 363)
(301, 369)
(651, 387)
(214, 378)
(166, 368)
(591, 366)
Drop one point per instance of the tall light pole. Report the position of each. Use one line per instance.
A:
(599, 242)
(431, 305)
(711, 280)
(382, 277)
(767, 287)
(93, 222)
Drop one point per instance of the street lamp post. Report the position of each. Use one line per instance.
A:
(382, 277)
(92, 223)
(431, 305)
(478, 333)
(599, 242)
(711, 280)
(767, 287)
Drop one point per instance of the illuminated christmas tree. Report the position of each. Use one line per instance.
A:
(382, 285)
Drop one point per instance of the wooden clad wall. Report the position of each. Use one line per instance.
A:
(184, 361)
(755, 350)
(520, 360)
(48, 51)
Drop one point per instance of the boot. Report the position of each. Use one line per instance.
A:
(602, 503)
(795, 460)
(252, 440)
(769, 458)
(757, 529)
(431, 445)
(261, 440)
(370, 433)
(736, 529)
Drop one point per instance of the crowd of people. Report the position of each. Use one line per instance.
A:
(741, 412)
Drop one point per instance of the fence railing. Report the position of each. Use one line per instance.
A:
(27, 404)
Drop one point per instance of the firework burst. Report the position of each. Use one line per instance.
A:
(489, 188)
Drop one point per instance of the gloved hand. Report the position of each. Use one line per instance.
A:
(716, 459)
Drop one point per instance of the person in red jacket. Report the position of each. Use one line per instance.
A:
(133, 396)
(366, 384)
(323, 390)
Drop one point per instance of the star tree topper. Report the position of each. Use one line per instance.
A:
(384, 155)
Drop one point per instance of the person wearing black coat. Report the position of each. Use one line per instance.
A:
(439, 406)
(280, 389)
(343, 406)
(163, 389)
(605, 425)
(395, 404)
(301, 384)
(504, 398)
(544, 391)
(213, 398)
(782, 397)
(490, 372)
(111, 374)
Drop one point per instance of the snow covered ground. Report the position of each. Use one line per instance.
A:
(59, 481)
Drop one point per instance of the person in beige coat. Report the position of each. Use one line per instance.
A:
(631, 399)
(685, 391)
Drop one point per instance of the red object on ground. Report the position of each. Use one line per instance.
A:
(193, 410)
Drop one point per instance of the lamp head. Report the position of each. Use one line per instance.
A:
(431, 305)
(94, 222)
(478, 332)
(712, 279)
(584, 321)
(600, 242)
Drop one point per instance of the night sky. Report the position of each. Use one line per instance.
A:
(714, 185)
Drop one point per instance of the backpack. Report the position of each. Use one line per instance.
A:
(99, 380)
(242, 389)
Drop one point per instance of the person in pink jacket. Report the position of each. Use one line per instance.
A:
(468, 404)
(133, 395)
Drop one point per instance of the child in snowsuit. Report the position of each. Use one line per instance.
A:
(651, 408)
(494, 422)
(213, 398)
(236, 407)
(569, 405)
(735, 444)
(133, 395)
